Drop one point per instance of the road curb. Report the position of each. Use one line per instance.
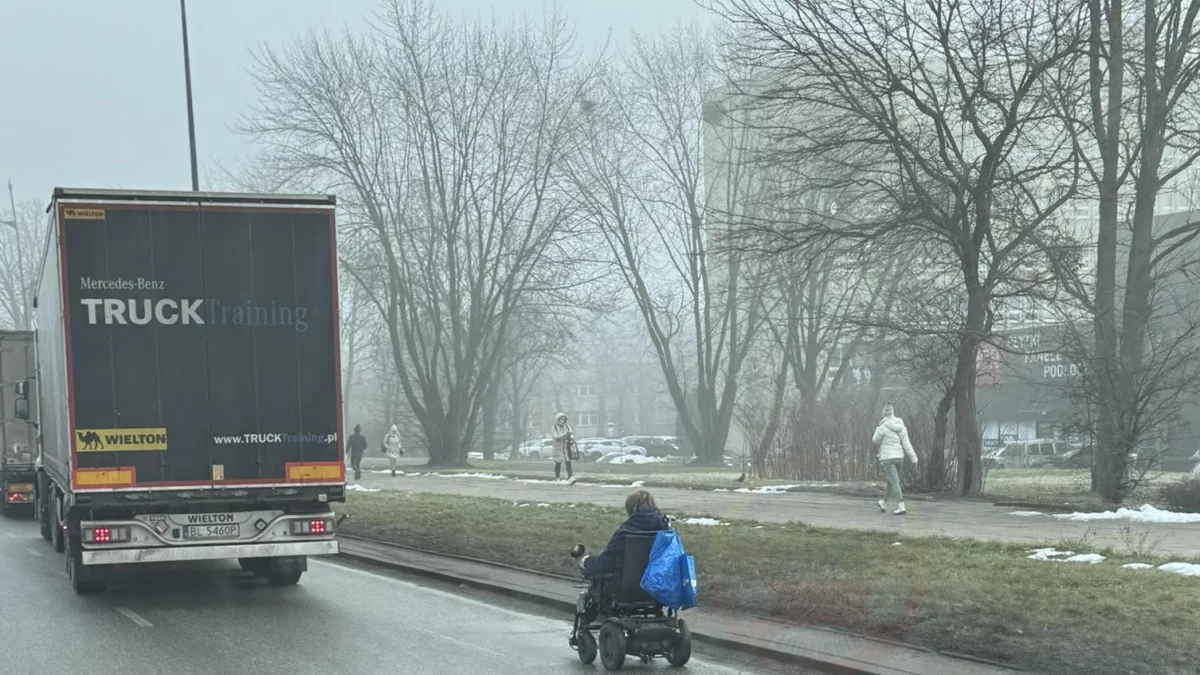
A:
(831, 665)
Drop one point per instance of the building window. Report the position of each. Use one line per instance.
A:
(589, 419)
(584, 390)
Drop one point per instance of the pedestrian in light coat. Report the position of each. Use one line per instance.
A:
(892, 438)
(391, 447)
(564, 442)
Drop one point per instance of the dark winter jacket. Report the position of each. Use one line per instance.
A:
(358, 444)
(640, 521)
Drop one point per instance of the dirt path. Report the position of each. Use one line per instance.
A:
(925, 518)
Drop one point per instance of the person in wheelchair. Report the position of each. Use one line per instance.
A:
(644, 516)
(628, 620)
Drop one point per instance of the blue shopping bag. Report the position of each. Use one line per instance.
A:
(667, 571)
(687, 574)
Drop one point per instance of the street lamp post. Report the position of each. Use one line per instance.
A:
(187, 78)
(12, 203)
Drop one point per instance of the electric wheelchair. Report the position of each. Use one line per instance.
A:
(628, 620)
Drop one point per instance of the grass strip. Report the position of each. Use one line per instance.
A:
(978, 598)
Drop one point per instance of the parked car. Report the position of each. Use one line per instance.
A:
(1029, 454)
(656, 446)
(543, 449)
(608, 447)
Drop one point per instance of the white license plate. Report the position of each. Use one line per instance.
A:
(211, 531)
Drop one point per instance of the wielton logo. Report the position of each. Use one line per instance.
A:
(83, 214)
(120, 440)
(192, 311)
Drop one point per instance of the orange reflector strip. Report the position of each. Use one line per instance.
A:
(115, 477)
(315, 471)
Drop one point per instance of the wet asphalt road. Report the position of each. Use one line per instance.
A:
(211, 619)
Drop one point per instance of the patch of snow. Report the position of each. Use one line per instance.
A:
(1186, 569)
(758, 527)
(1065, 556)
(1027, 514)
(1049, 554)
(1145, 514)
(359, 488)
(897, 544)
(543, 505)
(521, 506)
(721, 490)
(570, 506)
(767, 489)
(708, 522)
(1137, 566)
(474, 455)
(637, 483)
(485, 476)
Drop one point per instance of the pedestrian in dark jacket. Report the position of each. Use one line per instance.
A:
(644, 516)
(358, 446)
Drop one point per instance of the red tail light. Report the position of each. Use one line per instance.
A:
(106, 535)
(314, 526)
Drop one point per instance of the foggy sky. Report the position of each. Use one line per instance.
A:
(92, 92)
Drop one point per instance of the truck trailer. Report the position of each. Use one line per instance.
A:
(188, 382)
(17, 467)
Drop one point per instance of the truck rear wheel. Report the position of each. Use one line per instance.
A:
(285, 571)
(56, 520)
(41, 506)
(289, 577)
(254, 565)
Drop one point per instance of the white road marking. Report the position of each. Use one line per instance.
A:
(435, 591)
(34, 553)
(134, 617)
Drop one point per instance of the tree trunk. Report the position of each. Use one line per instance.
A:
(348, 380)
(772, 428)
(935, 464)
(968, 450)
(491, 400)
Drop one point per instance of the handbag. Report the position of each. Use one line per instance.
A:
(572, 450)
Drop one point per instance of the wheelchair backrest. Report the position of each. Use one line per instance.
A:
(634, 559)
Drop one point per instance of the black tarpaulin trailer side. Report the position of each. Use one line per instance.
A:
(202, 340)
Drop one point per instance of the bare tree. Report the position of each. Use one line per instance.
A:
(1132, 94)
(21, 242)
(446, 142)
(643, 185)
(933, 113)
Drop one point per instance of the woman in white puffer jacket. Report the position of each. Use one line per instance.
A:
(892, 438)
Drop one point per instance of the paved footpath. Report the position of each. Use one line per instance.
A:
(948, 518)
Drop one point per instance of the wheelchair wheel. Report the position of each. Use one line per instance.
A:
(587, 648)
(682, 650)
(612, 646)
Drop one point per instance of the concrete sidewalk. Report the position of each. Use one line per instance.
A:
(824, 650)
(946, 518)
